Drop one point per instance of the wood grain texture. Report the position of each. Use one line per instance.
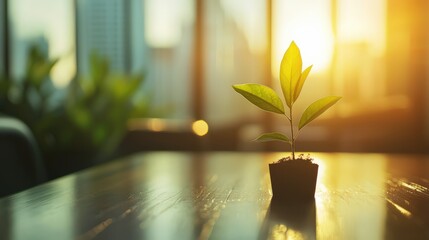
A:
(222, 195)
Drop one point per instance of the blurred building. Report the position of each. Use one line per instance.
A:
(104, 27)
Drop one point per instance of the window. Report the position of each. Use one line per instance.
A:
(373, 53)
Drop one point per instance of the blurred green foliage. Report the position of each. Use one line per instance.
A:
(87, 120)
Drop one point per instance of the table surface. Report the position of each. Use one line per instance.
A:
(224, 195)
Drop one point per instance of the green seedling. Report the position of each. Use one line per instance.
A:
(292, 80)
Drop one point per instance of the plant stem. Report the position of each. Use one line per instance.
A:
(291, 131)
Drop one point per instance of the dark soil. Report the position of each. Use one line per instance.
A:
(300, 159)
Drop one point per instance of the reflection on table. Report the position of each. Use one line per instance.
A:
(222, 195)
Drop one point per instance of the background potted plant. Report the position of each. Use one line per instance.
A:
(79, 125)
(293, 177)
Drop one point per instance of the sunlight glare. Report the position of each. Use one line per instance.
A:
(307, 23)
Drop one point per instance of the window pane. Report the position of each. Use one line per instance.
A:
(150, 37)
(49, 24)
(235, 51)
(361, 39)
(168, 34)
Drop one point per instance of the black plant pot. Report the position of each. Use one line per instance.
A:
(293, 180)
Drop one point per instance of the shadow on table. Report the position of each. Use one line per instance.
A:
(290, 220)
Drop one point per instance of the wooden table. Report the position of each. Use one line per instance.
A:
(223, 195)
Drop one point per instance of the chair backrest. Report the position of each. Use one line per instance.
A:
(21, 166)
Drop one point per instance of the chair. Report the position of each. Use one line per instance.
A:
(21, 166)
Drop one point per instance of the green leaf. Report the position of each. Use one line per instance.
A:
(317, 108)
(262, 96)
(300, 83)
(290, 71)
(274, 136)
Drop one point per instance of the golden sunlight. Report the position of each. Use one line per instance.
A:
(308, 23)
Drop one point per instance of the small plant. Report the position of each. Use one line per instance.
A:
(292, 80)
